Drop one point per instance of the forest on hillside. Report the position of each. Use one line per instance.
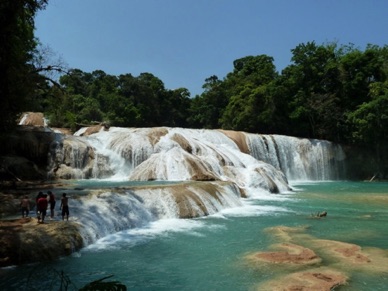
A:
(328, 91)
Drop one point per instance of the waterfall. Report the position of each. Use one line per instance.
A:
(176, 154)
(192, 154)
(207, 171)
(299, 158)
(103, 212)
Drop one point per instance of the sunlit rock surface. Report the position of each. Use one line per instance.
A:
(174, 154)
(287, 253)
(25, 241)
(73, 158)
(333, 268)
(320, 279)
(33, 119)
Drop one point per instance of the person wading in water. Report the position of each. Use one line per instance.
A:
(42, 206)
(25, 206)
(52, 203)
(65, 207)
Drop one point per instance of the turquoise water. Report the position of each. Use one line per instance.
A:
(209, 253)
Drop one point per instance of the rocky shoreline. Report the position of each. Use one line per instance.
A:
(24, 240)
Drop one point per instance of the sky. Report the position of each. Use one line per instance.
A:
(183, 42)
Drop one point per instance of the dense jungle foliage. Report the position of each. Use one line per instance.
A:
(329, 91)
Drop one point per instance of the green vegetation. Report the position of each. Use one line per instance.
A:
(122, 100)
(19, 79)
(329, 91)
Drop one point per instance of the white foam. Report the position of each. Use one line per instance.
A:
(162, 227)
(253, 210)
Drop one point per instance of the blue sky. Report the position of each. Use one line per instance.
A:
(182, 42)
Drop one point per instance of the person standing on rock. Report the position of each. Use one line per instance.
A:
(42, 206)
(25, 206)
(40, 195)
(52, 203)
(65, 207)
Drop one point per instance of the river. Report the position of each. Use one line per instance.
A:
(210, 253)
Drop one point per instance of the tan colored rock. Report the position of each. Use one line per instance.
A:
(156, 133)
(288, 254)
(74, 160)
(32, 119)
(64, 131)
(190, 197)
(157, 167)
(339, 260)
(321, 279)
(239, 138)
(186, 194)
(183, 143)
(25, 241)
(95, 128)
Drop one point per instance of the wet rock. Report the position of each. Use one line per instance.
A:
(73, 158)
(317, 279)
(32, 119)
(25, 241)
(289, 254)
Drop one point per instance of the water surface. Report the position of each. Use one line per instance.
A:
(209, 253)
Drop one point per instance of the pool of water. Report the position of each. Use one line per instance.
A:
(209, 253)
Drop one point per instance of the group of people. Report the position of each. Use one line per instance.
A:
(42, 202)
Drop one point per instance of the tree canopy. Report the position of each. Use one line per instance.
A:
(328, 91)
(18, 77)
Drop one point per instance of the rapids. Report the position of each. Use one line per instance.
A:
(131, 191)
(195, 154)
(212, 252)
(206, 171)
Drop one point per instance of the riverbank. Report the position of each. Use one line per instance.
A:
(24, 240)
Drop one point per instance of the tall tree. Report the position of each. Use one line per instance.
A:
(250, 107)
(313, 86)
(206, 109)
(17, 74)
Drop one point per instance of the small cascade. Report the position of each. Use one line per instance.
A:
(103, 212)
(123, 149)
(107, 212)
(206, 155)
(299, 158)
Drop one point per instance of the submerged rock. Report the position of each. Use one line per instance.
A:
(321, 279)
(288, 254)
(299, 249)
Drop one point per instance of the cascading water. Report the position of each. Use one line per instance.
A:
(227, 166)
(103, 212)
(299, 158)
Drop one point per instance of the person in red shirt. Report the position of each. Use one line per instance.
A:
(40, 195)
(42, 206)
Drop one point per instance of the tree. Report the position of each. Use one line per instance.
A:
(360, 69)
(174, 107)
(17, 74)
(206, 109)
(369, 123)
(313, 88)
(249, 107)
